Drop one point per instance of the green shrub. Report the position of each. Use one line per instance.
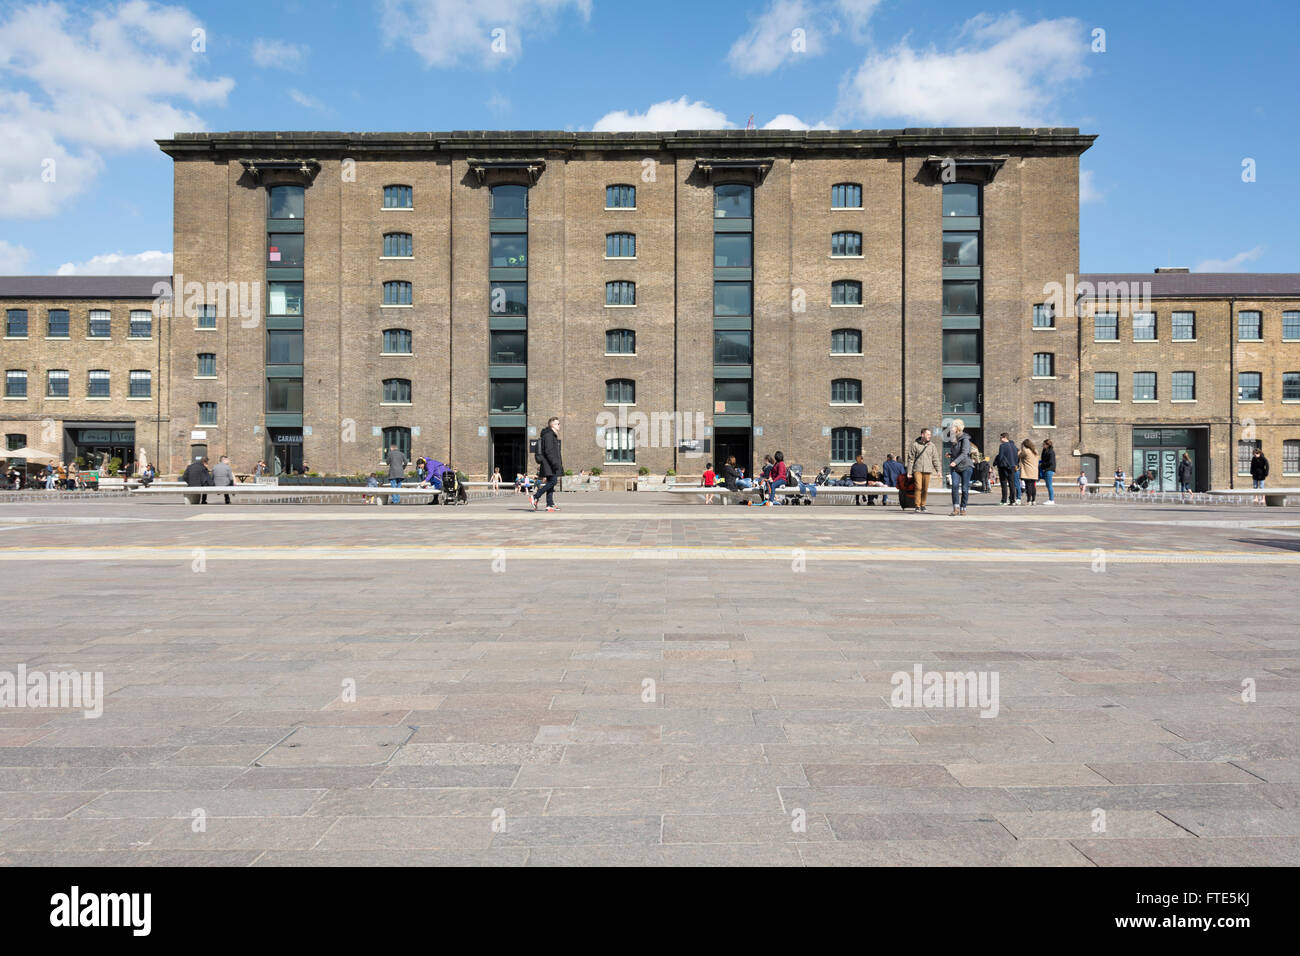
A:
(643, 470)
(671, 473)
(595, 472)
(114, 466)
(568, 472)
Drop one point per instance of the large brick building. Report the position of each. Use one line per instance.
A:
(669, 296)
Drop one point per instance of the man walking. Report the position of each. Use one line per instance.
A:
(1258, 472)
(397, 463)
(1186, 475)
(922, 461)
(197, 476)
(550, 464)
(1008, 464)
(223, 476)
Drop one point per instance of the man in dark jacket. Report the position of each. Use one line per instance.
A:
(858, 473)
(397, 462)
(197, 476)
(1007, 462)
(550, 463)
(892, 469)
(1186, 475)
(1258, 472)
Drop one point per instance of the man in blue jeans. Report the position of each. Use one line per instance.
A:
(396, 471)
(1008, 465)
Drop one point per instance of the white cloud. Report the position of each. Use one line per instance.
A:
(1230, 265)
(1088, 189)
(772, 40)
(305, 101)
(445, 33)
(790, 121)
(856, 14)
(1004, 72)
(668, 115)
(13, 259)
(498, 105)
(106, 80)
(278, 53)
(152, 263)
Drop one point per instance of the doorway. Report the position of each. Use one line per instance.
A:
(508, 452)
(734, 441)
(286, 451)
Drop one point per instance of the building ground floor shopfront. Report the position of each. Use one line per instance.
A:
(1156, 449)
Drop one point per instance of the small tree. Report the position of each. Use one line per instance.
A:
(595, 472)
(643, 470)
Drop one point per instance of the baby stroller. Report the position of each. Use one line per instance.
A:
(453, 489)
(794, 479)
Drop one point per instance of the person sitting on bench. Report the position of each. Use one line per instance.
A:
(858, 474)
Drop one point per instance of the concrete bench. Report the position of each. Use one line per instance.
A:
(832, 491)
(270, 492)
(1273, 497)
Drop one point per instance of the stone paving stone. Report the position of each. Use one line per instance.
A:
(467, 753)
(1205, 852)
(129, 804)
(1024, 775)
(917, 826)
(129, 858)
(49, 778)
(667, 754)
(682, 855)
(242, 833)
(558, 830)
(603, 801)
(54, 835)
(505, 856)
(738, 828)
(880, 799)
(37, 804)
(304, 778)
(1188, 771)
(647, 773)
(31, 756)
(395, 802)
(1274, 771)
(883, 775)
(979, 852)
(1078, 824)
(355, 834)
(1145, 797)
(166, 778)
(453, 775)
(1236, 821)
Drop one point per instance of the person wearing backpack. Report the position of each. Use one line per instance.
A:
(961, 464)
(550, 465)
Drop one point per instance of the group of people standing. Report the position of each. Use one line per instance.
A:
(1021, 467)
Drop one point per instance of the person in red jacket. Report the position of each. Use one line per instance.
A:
(776, 478)
(709, 480)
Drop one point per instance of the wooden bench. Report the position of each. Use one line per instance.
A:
(276, 492)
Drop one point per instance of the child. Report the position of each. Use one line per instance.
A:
(1083, 485)
(709, 480)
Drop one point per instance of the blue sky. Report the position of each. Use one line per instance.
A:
(1181, 95)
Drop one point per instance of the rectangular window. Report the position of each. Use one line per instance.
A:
(1249, 387)
(961, 248)
(620, 293)
(1044, 414)
(397, 391)
(284, 347)
(620, 197)
(506, 396)
(509, 348)
(207, 413)
(846, 391)
(961, 347)
(1182, 387)
(286, 202)
(732, 298)
(284, 395)
(620, 342)
(846, 342)
(398, 245)
(140, 383)
(731, 396)
(846, 244)
(207, 317)
(15, 383)
(97, 384)
(1105, 386)
(284, 250)
(620, 391)
(846, 292)
(620, 446)
(960, 396)
(58, 325)
(961, 297)
(846, 196)
(1045, 316)
(508, 298)
(397, 342)
(509, 250)
(846, 445)
(961, 199)
(1245, 451)
(140, 325)
(1144, 326)
(100, 324)
(1044, 364)
(1144, 386)
(733, 250)
(16, 323)
(1291, 386)
(207, 365)
(1291, 457)
(56, 383)
(1250, 326)
(398, 197)
(1290, 326)
(1105, 327)
(1183, 326)
(620, 245)
(14, 441)
(285, 298)
(732, 347)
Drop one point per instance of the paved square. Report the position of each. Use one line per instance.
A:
(639, 680)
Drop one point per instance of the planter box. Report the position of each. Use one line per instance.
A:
(651, 482)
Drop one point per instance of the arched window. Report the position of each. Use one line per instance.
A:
(961, 199)
(397, 293)
(207, 365)
(207, 413)
(398, 245)
(846, 292)
(620, 293)
(97, 383)
(620, 245)
(846, 196)
(620, 446)
(846, 342)
(846, 445)
(509, 202)
(846, 391)
(733, 201)
(397, 391)
(397, 341)
(56, 383)
(398, 197)
(620, 391)
(620, 342)
(846, 244)
(399, 438)
(620, 196)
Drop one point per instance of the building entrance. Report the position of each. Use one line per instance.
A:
(1158, 451)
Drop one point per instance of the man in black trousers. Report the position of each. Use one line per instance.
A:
(1007, 461)
(550, 464)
